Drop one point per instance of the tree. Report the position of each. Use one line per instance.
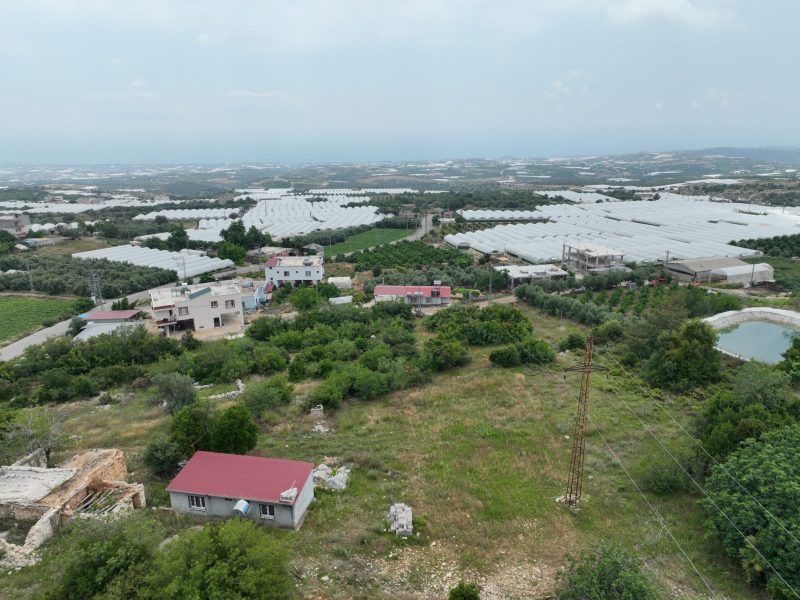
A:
(445, 352)
(464, 591)
(235, 234)
(76, 325)
(191, 428)
(34, 428)
(275, 391)
(178, 239)
(605, 572)
(235, 560)
(256, 239)
(162, 456)
(234, 431)
(304, 299)
(769, 471)
(686, 358)
(123, 304)
(175, 390)
(190, 342)
(102, 558)
(234, 252)
(82, 305)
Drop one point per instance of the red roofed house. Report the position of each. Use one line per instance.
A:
(270, 491)
(418, 295)
(110, 316)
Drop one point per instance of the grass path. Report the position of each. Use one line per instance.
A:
(367, 239)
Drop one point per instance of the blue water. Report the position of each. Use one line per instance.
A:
(759, 340)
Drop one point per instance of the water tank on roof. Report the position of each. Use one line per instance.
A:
(241, 508)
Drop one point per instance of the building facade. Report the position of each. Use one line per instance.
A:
(416, 295)
(198, 307)
(271, 492)
(294, 270)
(16, 224)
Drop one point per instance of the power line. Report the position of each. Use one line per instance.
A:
(700, 445)
(630, 477)
(705, 493)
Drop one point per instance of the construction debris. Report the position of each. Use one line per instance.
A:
(318, 412)
(400, 520)
(328, 478)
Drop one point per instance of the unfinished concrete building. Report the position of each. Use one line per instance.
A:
(586, 257)
(35, 499)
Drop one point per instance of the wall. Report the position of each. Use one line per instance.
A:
(773, 315)
(303, 500)
(220, 508)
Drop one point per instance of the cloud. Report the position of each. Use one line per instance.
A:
(571, 84)
(658, 106)
(263, 94)
(137, 84)
(688, 12)
(123, 95)
(719, 97)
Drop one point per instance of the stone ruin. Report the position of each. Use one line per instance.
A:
(400, 520)
(35, 500)
(326, 477)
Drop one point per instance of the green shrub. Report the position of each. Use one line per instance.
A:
(573, 341)
(175, 390)
(605, 572)
(507, 356)
(260, 395)
(445, 353)
(162, 456)
(234, 431)
(464, 591)
(268, 359)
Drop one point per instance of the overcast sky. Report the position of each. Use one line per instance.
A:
(108, 81)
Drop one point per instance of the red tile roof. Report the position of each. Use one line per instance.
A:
(274, 261)
(235, 476)
(110, 315)
(409, 290)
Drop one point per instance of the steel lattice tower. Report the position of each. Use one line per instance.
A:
(575, 481)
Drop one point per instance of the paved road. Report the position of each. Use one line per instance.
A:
(16, 349)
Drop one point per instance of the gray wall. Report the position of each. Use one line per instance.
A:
(286, 516)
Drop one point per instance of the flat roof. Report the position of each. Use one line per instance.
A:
(411, 290)
(708, 264)
(168, 296)
(240, 477)
(109, 315)
(295, 261)
(518, 271)
(29, 484)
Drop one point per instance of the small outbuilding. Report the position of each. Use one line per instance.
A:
(701, 269)
(270, 491)
(744, 274)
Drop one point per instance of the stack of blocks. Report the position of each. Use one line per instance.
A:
(400, 520)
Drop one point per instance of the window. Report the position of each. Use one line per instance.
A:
(183, 310)
(434, 293)
(230, 303)
(308, 273)
(266, 511)
(197, 503)
(214, 304)
(286, 273)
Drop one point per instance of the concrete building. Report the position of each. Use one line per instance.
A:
(199, 307)
(700, 269)
(269, 491)
(586, 257)
(416, 295)
(16, 224)
(295, 270)
(520, 274)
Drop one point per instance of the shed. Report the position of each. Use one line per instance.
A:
(700, 269)
(276, 492)
(343, 283)
(110, 316)
(745, 274)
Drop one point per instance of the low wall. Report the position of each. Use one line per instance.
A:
(760, 313)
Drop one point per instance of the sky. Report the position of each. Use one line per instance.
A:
(188, 81)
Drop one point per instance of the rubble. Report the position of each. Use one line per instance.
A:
(318, 412)
(400, 519)
(328, 478)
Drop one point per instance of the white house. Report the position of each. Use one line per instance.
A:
(199, 307)
(294, 270)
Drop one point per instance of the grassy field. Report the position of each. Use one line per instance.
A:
(25, 314)
(367, 239)
(787, 270)
(480, 454)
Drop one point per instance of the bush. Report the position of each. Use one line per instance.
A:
(464, 591)
(445, 353)
(102, 558)
(234, 431)
(610, 330)
(573, 341)
(769, 471)
(661, 475)
(268, 359)
(191, 428)
(274, 392)
(508, 356)
(162, 456)
(330, 392)
(175, 390)
(686, 358)
(535, 351)
(264, 328)
(605, 572)
(235, 559)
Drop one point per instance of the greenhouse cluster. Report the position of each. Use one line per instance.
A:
(186, 263)
(644, 231)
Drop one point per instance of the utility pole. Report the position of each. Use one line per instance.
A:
(94, 287)
(666, 269)
(490, 284)
(30, 275)
(575, 479)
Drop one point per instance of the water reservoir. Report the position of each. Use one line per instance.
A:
(757, 340)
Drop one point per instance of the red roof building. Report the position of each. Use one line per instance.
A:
(110, 316)
(418, 295)
(275, 491)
